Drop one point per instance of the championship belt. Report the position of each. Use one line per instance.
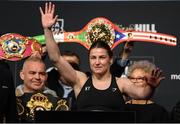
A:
(29, 103)
(15, 47)
(104, 30)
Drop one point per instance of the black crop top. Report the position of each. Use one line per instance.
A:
(92, 99)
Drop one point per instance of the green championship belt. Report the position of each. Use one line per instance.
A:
(103, 29)
(15, 47)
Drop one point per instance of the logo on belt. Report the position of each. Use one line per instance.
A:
(38, 102)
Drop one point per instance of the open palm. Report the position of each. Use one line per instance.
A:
(156, 77)
(47, 16)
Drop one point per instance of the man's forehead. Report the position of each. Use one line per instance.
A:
(31, 64)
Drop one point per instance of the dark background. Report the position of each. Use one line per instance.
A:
(23, 17)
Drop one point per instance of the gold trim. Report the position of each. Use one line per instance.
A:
(38, 102)
(20, 107)
(62, 105)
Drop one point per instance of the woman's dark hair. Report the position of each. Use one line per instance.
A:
(102, 44)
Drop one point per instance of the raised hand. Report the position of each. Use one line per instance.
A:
(127, 48)
(36, 54)
(47, 16)
(155, 77)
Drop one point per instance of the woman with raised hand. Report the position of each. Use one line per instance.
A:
(101, 91)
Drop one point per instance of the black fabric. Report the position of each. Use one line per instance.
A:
(53, 83)
(8, 108)
(175, 113)
(25, 112)
(149, 113)
(116, 69)
(92, 99)
(85, 117)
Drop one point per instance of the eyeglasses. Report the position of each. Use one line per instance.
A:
(138, 79)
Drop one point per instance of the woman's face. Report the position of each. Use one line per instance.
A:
(99, 60)
(138, 77)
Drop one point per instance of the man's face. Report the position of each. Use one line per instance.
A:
(34, 76)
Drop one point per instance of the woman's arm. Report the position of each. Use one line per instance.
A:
(64, 68)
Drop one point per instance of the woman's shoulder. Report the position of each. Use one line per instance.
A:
(123, 82)
(122, 79)
(82, 78)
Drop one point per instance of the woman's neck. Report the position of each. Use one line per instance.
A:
(101, 82)
(102, 77)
